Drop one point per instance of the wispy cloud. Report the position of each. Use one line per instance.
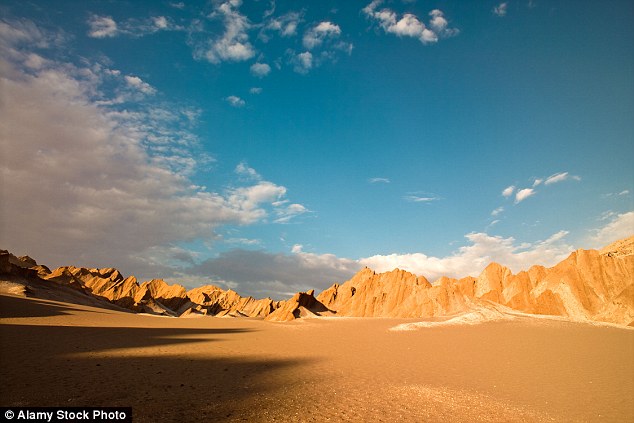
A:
(316, 35)
(500, 10)
(497, 211)
(102, 27)
(285, 25)
(235, 101)
(560, 177)
(379, 180)
(415, 198)
(620, 226)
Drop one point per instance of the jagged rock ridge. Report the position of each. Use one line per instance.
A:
(588, 285)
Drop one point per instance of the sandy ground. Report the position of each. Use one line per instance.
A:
(337, 369)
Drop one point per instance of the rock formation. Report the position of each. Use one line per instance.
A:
(588, 285)
(101, 287)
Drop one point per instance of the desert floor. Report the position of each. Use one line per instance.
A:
(336, 369)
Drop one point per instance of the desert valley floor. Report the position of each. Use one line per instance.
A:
(327, 369)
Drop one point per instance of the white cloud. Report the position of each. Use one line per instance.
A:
(537, 182)
(409, 25)
(501, 9)
(470, 260)
(137, 83)
(234, 43)
(302, 62)
(379, 180)
(102, 27)
(420, 199)
(316, 35)
(244, 170)
(285, 25)
(497, 211)
(620, 226)
(624, 192)
(508, 191)
(560, 177)
(523, 194)
(255, 90)
(260, 69)
(95, 185)
(235, 101)
(287, 213)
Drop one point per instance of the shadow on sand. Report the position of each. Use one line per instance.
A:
(11, 307)
(164, 374)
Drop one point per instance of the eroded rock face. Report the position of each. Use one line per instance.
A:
(302, 305)
(588, 285)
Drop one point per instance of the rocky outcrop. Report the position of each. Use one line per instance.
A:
(588, 285)
(302, 305)
(23, 276)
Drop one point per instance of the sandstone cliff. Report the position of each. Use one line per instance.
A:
(588, 285)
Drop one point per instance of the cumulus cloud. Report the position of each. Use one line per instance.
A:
(560, 177)
(260, 69)
(470, 260)
(508, 191)
(235, 101)
(620, 226)
(316, 35)
(233, 45)
(523, 194)
(500, 10)
(302, 62)
(139, 84)
(102, 27)
(409, 25)
(255, 90)
(92, 184)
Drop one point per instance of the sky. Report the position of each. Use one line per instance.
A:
(276, 146)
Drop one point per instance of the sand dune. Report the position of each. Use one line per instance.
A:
(338, 369)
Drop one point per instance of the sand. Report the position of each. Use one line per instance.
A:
(331, 369)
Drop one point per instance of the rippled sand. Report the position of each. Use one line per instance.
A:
(337, 369)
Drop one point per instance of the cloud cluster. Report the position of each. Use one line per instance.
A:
(524, 193)
(233, 45)
(470, 260)
(92, 182)
(409, 25)
(107, 27)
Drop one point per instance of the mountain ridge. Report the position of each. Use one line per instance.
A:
(589, 285)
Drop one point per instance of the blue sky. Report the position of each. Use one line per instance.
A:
(273, 146)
